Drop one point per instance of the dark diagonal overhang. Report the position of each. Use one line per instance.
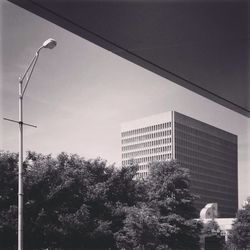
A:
(202, 45)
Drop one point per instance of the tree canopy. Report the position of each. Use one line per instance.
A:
(165, 217)
(239, 236)
(8, 198)
(74, 203)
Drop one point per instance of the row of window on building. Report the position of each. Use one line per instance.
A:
(209, 134)
(146, 137)
(198, 165)
(211, 177)
(220, 145)
(188, 147)
(206, 157)
(142, 175)
(208, 185)
(147, 144)
(228, 195)
(147, 159)
(146, 129)
(146, 152)
(143, 167)
(201, 163)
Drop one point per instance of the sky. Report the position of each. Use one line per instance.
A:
(79, 94)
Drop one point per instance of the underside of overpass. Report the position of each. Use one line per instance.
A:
(201, 45)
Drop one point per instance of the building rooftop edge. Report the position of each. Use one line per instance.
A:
(168, 113)
(147, 117)
(207, 124)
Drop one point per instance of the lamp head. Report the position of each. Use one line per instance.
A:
(49, 44)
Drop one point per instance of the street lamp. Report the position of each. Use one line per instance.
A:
(48, 44)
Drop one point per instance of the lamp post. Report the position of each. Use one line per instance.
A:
(50, 44)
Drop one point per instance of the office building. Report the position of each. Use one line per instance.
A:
(208, 152)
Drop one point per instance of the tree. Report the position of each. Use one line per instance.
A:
(169, 193)
(74, 203)
(141, 230)
(165, 216)
(212, 229)
(8, 199)
(66, 203)
(69, 202)
(239, 236)
(168, 188)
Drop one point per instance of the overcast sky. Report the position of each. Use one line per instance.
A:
(79, 94)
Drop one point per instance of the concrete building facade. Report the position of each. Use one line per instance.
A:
(208, 152)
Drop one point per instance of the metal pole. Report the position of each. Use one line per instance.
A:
(20, 170)
(50, 44)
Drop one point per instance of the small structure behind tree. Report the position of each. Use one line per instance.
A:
(215, 230)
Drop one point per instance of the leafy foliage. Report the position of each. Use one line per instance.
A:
(73, 203)
(169, 189)
(141, 229)
(169, 193)
(8, 198)
(166, 216)
(239, 236)
(212, 229)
